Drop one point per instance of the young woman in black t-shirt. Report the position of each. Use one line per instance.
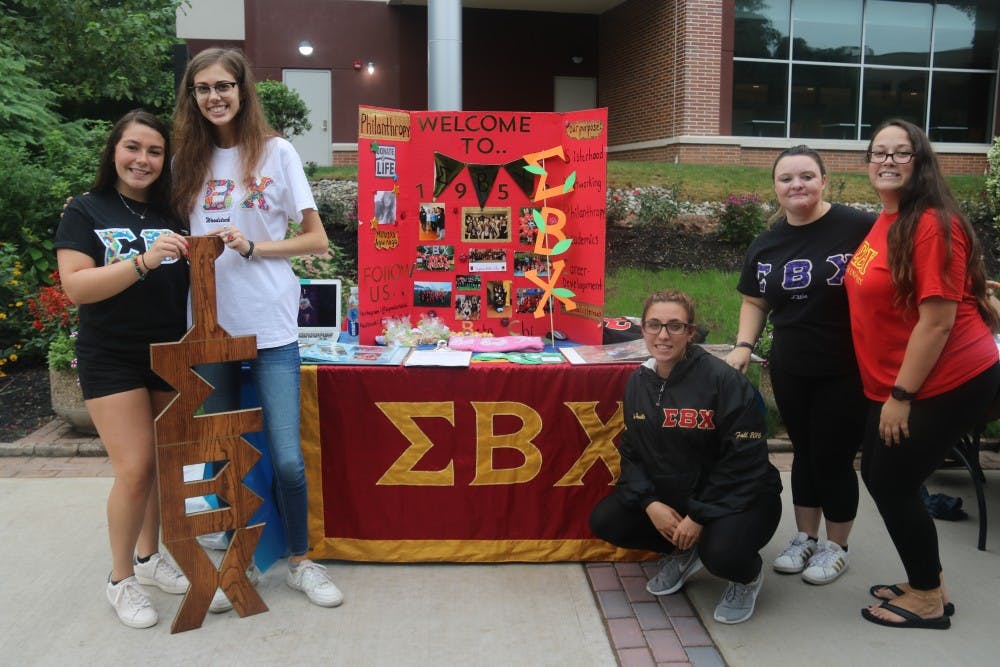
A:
(794, 273)
(121, 259)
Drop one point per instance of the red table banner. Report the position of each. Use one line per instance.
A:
(491, 463)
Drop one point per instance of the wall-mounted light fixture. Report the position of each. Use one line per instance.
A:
(305, 48)
(356, 65)
(371, 68)
(577, 60)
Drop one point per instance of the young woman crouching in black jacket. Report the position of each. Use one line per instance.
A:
(696, 483)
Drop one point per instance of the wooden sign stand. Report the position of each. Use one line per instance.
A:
(184, 438)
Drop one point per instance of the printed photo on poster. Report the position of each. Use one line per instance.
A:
(498, 298)
(432, 294)
(385, 207)
(435, 258)
(431, 216)
(527, 230)
(526, 261)
(467, 306)
(484, 260)
(468, 283)
(528, 298)
(486, 225)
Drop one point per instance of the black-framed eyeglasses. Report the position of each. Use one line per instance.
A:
(221, 88)
(899, 157)
(673, 327)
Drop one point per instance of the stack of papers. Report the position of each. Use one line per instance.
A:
(320, 351)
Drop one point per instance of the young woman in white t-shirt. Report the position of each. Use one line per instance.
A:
(236, 178)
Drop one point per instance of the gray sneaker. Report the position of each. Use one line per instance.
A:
(675, 569)
(738, 601)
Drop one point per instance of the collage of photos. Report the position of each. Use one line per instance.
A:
(472, 295)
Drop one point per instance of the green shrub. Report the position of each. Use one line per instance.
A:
(993, 179)
(657, 204)
(743, 217)
(332, 264)
(284, 109)
(62, 351)
(338, 211)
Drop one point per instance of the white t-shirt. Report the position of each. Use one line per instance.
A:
(258, 296)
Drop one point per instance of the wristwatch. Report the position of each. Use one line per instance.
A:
(901, 394)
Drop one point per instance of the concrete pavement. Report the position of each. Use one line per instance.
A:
(53, 561)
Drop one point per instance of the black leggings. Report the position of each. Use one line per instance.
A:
(825, 417)
(894, 475)
(728, 547)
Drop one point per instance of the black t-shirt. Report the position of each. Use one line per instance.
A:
(153, 310)
(799, 271)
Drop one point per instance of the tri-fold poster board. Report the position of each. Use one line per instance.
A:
(491, 221)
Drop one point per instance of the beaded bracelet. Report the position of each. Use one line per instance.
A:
(135, 265)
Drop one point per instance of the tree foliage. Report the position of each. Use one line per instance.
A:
(993, 179)
(284, 109)
(96, 54)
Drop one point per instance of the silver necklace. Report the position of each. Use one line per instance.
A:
(141, 217)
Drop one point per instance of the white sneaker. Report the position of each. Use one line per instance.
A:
(162, 573)
(220, 603)
(311, 578)
(738, 601)
(131, 603)
(793, 558)
(828, 563)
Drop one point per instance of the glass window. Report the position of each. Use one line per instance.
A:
(961, 107)
(966, 34)
(827, 30)
(761, 29)
(892, 94)
(760, 98)
(898, 32)
(825, 102)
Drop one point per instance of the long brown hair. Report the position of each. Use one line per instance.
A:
(195, 136)
(107, 176)
(927, 190)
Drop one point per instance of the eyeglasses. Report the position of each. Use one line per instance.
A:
(899, 157)
(673, 327)
(221, 88)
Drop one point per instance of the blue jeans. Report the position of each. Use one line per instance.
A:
(275, 377)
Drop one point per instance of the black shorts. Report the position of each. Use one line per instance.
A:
(105, 372)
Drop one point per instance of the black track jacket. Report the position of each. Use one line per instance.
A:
(695, 441)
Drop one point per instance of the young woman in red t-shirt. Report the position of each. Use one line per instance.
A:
(917, 293)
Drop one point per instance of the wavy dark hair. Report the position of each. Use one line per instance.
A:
(195, 136)
(928, 190)
(800, 149)
(107, 174)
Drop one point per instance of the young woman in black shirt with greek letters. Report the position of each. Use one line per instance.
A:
(121, 259)
(794, 274)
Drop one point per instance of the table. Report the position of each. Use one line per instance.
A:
(492, 463)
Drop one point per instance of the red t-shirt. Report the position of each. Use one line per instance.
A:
(881, 330)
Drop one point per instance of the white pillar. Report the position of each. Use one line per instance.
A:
(444, 55)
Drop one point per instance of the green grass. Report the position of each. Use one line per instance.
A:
(708, 182)
(714, 294)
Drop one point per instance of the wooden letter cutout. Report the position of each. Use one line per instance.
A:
(182, 438)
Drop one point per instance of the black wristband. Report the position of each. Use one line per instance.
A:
(743, 343)
(249, 254)
(901, 394)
